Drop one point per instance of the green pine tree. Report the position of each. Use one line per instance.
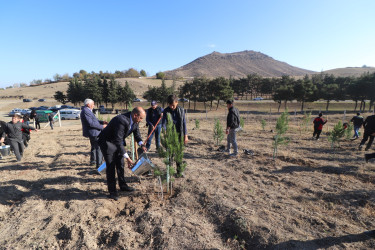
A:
(172, 150)
(281, 128)
(218, 132)
(336, 134)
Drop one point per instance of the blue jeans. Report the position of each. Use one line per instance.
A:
(157, 136)
(356, 128)
(231, 139)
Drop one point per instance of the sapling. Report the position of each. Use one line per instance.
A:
(281, 128)
(348, 131)
(242, 122)
(197, 125)
(218, 132)
(306, 119)
(172, 150)
(336, 134)
(263, 123)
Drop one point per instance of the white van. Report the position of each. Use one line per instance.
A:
(66, 114)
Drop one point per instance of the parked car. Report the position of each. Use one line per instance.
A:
(42, 108)
(258, 98)
(26, 112)
(137, 100)
(183, 100)
(67, 114)
(41, 100)
(27, 100)
(68, 107)
(14, 111)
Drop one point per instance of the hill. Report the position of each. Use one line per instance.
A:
(238, 64)
(350, 71)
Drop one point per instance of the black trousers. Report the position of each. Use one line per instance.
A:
(17, 148)
(114, 163)
(317, 133)
(366, 135)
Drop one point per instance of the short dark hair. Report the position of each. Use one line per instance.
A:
(136, 111)
(230, 102)
(358, 113)
(171, 99)
(320, 114)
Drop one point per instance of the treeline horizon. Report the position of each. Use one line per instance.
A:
(200, 89)
(286, 89)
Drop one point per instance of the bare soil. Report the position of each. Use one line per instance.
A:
(310, 197)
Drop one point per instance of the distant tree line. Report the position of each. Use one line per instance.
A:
(308, 89)
(206, 91)
(102, 91)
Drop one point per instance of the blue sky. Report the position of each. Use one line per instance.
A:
(41, 38)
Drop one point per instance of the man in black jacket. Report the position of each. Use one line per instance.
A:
(112, 142)
(233, 124)
(178, 117)
(153, 115)
(13, 130)
(369, 125)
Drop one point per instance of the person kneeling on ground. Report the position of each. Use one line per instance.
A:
(14, 131)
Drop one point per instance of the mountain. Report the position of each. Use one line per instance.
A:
(238, 64)
(350, 71)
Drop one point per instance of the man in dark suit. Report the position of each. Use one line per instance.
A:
(91, 128)
(112, 142)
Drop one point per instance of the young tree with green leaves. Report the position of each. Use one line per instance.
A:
(281, 129)
(218, 132)
(336, 134)
(172, 150)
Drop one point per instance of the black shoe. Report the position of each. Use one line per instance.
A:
(367, 157)
(113, 196)
(127, 188)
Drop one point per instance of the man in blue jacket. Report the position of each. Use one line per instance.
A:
(91, 128)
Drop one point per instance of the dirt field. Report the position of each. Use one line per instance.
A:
(310, 197)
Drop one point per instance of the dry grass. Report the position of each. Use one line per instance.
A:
(310, 197)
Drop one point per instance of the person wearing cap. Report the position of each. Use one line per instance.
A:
(91, 128)
(112, 143)
(233, 124)
(154, 113)
(13, 130)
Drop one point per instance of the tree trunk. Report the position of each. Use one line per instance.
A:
(360, 106)
(327, 105)
(278, 109)
(285, 104)
(302, 105)
(195, 105)
(364, 106)
(356, 104)
(217, 106)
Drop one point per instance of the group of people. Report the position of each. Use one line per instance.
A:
(108, 139)
(358, 121)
